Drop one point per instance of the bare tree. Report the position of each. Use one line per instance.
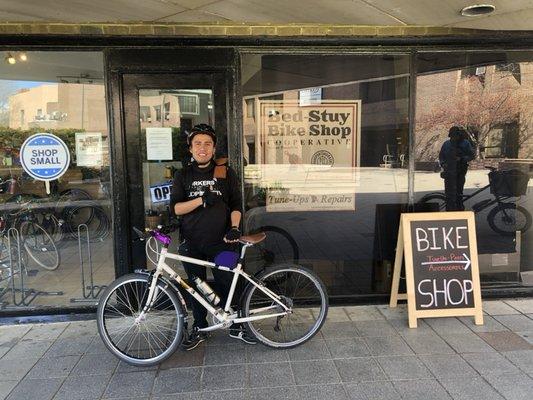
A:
(479, 105)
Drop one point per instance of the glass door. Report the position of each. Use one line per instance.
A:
(159, 111)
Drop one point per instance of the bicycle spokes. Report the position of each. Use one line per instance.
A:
(136, 334)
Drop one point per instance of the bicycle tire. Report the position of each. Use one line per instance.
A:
(30, 233)
(434, 198)
(5, 271)
(286, 337)
(99, 230)
(269, 257)
(130, 296)
(508, 221)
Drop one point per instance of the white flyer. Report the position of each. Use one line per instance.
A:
(89, 149)
(159, 143)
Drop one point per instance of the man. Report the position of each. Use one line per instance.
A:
(454, 156)
(211, 214)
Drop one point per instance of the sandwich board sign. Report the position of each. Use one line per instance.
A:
(441, 266)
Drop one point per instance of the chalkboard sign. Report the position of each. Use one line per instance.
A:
(441, 266)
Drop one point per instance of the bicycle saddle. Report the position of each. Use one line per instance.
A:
(255, 238)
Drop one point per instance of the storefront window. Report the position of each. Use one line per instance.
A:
(325, 151)
(490, 97)
(56, 245)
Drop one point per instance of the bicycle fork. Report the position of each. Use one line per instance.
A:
(153, 293)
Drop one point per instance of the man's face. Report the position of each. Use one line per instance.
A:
(202, 148)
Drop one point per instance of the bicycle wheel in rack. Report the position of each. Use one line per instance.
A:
(39, 245)
(300, 290)
(146, 341)
(5, 270)
(98, 224)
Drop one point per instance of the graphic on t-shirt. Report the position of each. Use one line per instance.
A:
(198, 188)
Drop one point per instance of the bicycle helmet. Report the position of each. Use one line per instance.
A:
(203, 129)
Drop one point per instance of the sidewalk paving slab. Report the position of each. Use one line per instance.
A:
(382, 390)
(470, 389)
(522, 359)
(130, 384)
(490, 364)
(321, 392)
(448, 366)
(512, 386)
(505, 341)
(41, 389)
(315, 372)
(421, 390)
(498, 307)
(404, 367)
(525, 306)
(359, 369)
(516, 323)
(82, 388)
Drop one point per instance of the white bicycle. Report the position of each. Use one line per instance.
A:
(141, 316)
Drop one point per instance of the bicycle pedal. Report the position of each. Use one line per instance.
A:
(32, 272)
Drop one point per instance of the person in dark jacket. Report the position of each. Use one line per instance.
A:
(454, 156)
(210, 209)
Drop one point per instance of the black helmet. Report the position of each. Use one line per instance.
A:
(203, 129)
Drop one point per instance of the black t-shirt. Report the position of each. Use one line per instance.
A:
(206, 225)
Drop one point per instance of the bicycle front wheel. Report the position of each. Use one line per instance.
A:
(39, 245)
(301, 291)
(136, 340)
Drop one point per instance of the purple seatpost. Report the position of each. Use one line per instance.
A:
(161, 237)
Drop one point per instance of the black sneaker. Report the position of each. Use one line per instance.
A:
(241, 334)
(194, 339)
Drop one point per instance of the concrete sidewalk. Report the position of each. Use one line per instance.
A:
(365, 352)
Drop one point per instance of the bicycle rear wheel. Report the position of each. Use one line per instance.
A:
(39, 245)
(300, 290)
(144, 342)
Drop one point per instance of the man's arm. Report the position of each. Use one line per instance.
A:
(186, 207)
(235, 218)
(178, 199)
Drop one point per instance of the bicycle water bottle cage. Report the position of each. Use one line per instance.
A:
(227, 259)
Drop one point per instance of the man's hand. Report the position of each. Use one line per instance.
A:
(232, 235)
(209, 197)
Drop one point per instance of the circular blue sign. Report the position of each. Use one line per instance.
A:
(44, 156)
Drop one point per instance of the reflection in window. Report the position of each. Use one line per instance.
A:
(76, 211)
(326, 162)
(489, 94)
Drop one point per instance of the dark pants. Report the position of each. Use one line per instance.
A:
(454, 183)
(223, 279)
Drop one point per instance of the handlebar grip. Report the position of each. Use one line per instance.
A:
(141, 235)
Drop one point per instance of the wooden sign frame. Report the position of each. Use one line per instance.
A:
(404, 250)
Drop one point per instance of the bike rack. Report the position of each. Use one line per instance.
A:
(90, 292)
(27, 295)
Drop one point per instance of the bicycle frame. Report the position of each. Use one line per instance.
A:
(225, 316)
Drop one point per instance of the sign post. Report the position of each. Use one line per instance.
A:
(441, 266)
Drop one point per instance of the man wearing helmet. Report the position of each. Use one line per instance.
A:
(209, 203)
